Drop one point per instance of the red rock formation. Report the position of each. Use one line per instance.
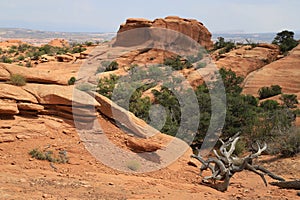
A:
(190, 27)
(59, 43)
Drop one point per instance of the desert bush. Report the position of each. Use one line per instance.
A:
(112, 66)
(49, 156)
(23, 47)
(17, 79)
(5, 59)
(106, 85)
(266, 92)
(21, 57)
(290, 100)
(225, 46)
(77, 49)
(72, 81)
(177, 63)
(287, 144)
(297, 112)
(88, 43)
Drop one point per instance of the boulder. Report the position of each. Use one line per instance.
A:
(46, 58)
(140, 145)
(190, 27)
(125, 118)
(65, 58)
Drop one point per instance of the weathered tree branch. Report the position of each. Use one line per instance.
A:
(225, 165)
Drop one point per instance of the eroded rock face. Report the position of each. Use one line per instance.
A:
(245, 59)
(190, 27)
(284, 72)
(8, 107)
(33, 75)
(124, 117)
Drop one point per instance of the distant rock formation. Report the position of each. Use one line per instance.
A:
(190, 27)
(59, 43)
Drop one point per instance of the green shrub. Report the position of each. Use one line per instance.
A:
(266, 92)
(87, 43)
(5, 59)
(49, 156)
(112, 66)
(297, 112)
(106, 85)
(269, 105)
(72, 81)
(290, 100)
(21, 57)
(223, 45)
(77, 49)
(177, 63)
(17, 79)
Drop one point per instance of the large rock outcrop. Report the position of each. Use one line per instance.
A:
(246, 59)
(284, 72)
(190, 27)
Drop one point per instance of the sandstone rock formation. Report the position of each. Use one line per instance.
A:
(284, 72)
(124, 118)
(246, 59)
(59, 43)
(46, 76)
(9, 43)
(190, 27)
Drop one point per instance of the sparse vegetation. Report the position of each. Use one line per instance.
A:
(17, 79)
(49, 156)
(225, 46)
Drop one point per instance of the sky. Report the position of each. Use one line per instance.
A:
(249, 16)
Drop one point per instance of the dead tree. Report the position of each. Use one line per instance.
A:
(225, 165)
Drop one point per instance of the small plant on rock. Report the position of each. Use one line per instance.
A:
(17, 79)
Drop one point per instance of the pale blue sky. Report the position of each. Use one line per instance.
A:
(106, 16)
